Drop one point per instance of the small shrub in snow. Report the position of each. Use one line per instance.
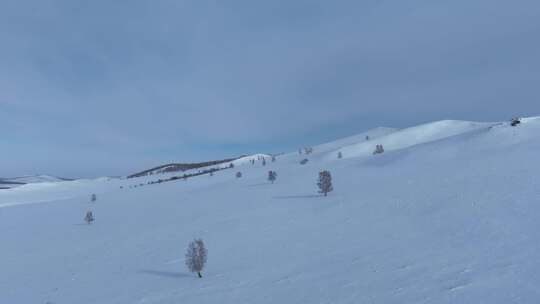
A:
(93, 198)
(196, 256)
(325, 182)
(89, 217)
(303, 161)
(339, 155)
(378, 149)
(231, 165)
(272, 175)
(367, 137)
(238, 174)
(515, 121)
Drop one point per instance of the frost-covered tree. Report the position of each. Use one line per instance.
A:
(378, 149)
(196, 256)
(339, 155)
(238, 174)
(93, 198)
(89, 217)
(325, 182)
(272, 175)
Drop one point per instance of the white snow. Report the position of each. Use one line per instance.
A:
(448, 214)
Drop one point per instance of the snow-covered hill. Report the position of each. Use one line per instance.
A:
(448, 214)
(29, 179)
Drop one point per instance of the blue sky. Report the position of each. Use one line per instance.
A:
(91, 88)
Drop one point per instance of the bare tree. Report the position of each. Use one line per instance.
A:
(238, 174)
(272, 175)
(196, 256)
(378, 149)
(89, 218)
(325, 182)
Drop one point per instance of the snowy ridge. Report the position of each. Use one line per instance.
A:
(447, 214)
(417, 135)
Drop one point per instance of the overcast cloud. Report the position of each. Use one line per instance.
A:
(90, 88)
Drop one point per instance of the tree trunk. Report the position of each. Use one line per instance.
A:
(199, 273)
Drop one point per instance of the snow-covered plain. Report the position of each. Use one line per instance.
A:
(448, 214)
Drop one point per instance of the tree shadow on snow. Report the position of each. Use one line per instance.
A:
(258, 185)
(168, 274)
(296, 196)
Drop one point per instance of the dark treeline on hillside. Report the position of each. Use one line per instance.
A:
(180, 167)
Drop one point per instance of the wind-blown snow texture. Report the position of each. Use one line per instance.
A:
(448, 214)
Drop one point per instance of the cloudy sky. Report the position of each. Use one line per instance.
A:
(91, 88)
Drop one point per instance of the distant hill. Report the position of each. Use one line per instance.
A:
(12, 182)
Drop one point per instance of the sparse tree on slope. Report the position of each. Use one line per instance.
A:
(378, 149)
(325, 182)
(89, 218)
(272, 175)
(196, 256)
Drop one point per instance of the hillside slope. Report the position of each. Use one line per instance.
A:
(448, 214)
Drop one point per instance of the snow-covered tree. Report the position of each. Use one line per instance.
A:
(303, 161)
(273, 158)
(93, 198)
(238, 174)
(339, 155)
(231, 165)
(272, 175)
(325, 182)
(264, 161)
(196, 256)
(89, 218)
(378, 149)
(367, 137)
